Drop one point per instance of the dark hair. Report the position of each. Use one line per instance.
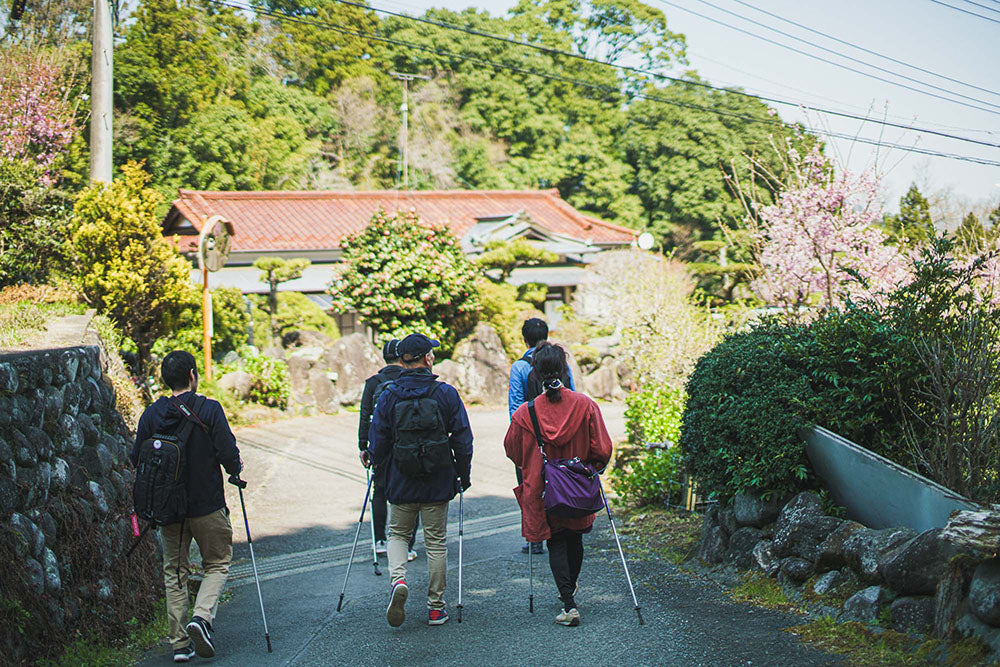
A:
(389, 351)
(176, 369)
(534, 331)
(549, 362)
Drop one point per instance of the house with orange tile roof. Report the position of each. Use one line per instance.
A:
(312, 224)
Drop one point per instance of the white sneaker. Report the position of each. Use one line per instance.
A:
(396, 613)
(411, 555)
(380, 547)
(570, 618)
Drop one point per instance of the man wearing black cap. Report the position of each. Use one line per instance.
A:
(373, 388)
(421, 430)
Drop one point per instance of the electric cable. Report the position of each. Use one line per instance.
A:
(964, 11)
(861, 48)
(835, 53)
(986, 7)
(611, 93)
(636, 70)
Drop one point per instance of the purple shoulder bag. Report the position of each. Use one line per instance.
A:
(572, 488)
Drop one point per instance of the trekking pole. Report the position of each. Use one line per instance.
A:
(461, 496)
(378, 572)
(531, 581)
(240, 484)
(357, 534)
(628, 578)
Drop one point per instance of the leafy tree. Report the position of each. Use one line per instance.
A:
(971, 237)
(913, 225)
(404, 277)
(508, 255)
(229, 326)
(33, 224)
(122, 264)
(274, 271)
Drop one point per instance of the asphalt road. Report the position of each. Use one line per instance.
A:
(305, 495)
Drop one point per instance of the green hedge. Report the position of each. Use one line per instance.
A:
(652, 415)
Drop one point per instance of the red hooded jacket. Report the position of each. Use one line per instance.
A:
(572, 427)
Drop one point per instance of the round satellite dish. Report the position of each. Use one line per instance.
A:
(215, 242)
(645, 241)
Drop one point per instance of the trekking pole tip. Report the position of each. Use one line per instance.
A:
(459, 607)
(340, 602)
(268, 638)
(638, 611)
(531, 604)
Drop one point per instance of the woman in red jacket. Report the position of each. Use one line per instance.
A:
(571, 426)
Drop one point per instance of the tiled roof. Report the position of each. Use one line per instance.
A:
(287, 220)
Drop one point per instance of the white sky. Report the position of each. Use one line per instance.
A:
(918, 32)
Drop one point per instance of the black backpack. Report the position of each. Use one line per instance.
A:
(421, 447)
(160, 490)
(533, 384)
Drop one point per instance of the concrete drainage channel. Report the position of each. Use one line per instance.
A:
(286, 565)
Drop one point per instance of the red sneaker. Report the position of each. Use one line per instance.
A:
(437, 617)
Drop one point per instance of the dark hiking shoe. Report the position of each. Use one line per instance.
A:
(570, 618)
(437, 617)
(184, 654)
(526, 547)
(537, 548)
(200, 632)
(396, 613)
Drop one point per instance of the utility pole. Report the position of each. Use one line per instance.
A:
(102, 76)
(406, 78)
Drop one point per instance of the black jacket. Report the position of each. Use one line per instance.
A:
(368, 401)
(442, 487)
(205, 451)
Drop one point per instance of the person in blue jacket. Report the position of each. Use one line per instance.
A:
(534, 331)
(426, 496)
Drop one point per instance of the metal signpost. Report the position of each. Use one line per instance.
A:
(213, 250)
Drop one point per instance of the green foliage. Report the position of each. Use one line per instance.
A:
(746, 403)
(406, 277)
(654, 415)
(19, 321)
(122, 264)
(229, 326)
(654, 476)
(504, 312)
(33, 224)
(90, 650)
(506, 256)
(269, 384)
(296, 312)
(274, 271)
(758, 589)
(913, 225)
(971, 237)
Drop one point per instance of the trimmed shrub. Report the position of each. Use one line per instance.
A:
(296, 312)
(747, 401)
(652, 476)
(269, 383)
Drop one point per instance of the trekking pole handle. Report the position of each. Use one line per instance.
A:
(236, 481)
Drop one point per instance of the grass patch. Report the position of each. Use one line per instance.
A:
(761, 591)
(91, 651)
(867, 646)
(19, 320)
(666, 533)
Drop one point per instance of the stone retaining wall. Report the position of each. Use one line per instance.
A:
(918, 582)
(65, 500)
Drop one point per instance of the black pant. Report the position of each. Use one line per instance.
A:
(380, 509)
(566, 559)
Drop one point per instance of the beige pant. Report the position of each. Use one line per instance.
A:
(402, 520)
(214, 536)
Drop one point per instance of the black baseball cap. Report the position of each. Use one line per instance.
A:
(415, 346)
(389, 351)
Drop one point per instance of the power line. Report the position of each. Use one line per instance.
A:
(636, 70)
(861, 48)
(964, 11)
(986, 7)
(610, 92)
(836, 53)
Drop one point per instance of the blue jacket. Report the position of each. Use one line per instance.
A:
(519, 373)
(399, 488)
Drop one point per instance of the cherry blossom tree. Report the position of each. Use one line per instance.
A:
(820, 241)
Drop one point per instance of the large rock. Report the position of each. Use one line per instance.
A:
(865, 605)
(712, 546)
(324, 390)
(28, 538)
(976, 529)
(53, 582)
(765, 559)
(831, 554)
(481, 370)
(238, 382)
(294, 339)
(970, 626)
(984, 592)
(354, 359)
(866, 548)
(835, 582)
(606, 382)
(301, 363)
(802, 527)
(36, 575)
(741, 544)
(796, 570)
(915, 567)
(752, 510)
(912, 614)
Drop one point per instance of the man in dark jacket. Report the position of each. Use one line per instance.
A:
(427, 495)
(210, 445)
(392, 370)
